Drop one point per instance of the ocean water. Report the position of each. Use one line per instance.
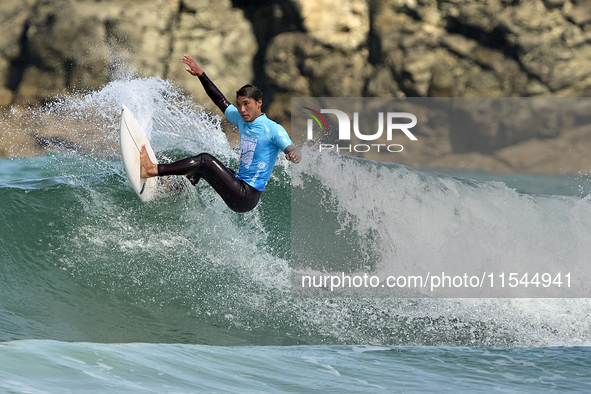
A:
(102, 293)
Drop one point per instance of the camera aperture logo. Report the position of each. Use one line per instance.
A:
(344, 122)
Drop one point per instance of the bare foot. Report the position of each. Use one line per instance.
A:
(147, 168)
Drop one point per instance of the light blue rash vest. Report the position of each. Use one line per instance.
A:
(260, 143)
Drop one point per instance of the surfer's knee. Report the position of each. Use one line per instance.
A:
(204, 158)
(208, 163)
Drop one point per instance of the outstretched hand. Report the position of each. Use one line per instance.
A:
(193, 68)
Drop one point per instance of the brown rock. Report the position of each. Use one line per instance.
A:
(567, 154)
(299, 64)
(381, 83)
(342, 24)
(456, 48)
(78, 44)
(220, 39)
(13, 15)
(70, 44)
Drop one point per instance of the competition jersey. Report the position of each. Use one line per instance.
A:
(260, 143)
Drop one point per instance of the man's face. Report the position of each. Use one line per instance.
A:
(248, 108)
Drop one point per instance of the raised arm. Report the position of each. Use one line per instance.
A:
(212, 91)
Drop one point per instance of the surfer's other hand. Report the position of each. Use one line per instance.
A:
(293, 156)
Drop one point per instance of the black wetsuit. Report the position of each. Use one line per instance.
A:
(236, 193)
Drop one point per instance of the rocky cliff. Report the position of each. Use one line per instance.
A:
(57, 45)
(373, 48)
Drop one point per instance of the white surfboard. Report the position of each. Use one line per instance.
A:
(132, 139)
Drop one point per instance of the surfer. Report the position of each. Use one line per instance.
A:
(261, 139)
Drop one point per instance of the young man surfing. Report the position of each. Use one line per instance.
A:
(261, 139)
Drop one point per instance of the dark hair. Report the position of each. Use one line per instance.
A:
(250, 91)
